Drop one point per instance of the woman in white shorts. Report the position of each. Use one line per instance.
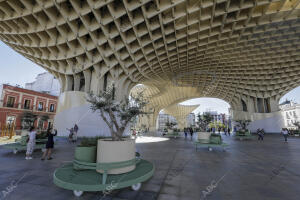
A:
(30, 143)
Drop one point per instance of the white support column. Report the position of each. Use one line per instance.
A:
(69, 83)
(76, 82)
(87, 76)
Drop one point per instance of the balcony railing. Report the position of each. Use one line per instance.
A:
(41, 109)
(27, 107)
(8, 105)
(32, 108)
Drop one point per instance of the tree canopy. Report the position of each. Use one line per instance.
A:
(117, 114)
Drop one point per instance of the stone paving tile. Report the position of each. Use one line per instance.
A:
(253, 170)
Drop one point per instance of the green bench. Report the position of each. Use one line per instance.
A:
(82, 176)
(21, 144)
(214, 141)
(174, 134)
(243, 135)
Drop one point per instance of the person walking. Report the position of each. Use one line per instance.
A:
(191, 132)
(134, 133)
(228, 131)
(185, 132)
(213, 129)
(234, 129)
(75, 132)
(50, 143)
(260, 134)
(285, 134)
(31, 143)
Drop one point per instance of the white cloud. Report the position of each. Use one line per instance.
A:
(212, 104)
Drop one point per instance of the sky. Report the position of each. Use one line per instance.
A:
(208, 104)
(16, 69)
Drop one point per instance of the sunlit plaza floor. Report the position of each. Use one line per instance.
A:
(247, 170)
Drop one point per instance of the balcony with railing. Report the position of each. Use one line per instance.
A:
(29, 107)
(41, 109)
(26, 107)
(11, 105)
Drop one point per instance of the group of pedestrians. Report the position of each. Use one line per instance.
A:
(261, 134)
(73, 133)
(50, 141)
(32, 139)
(190, 130)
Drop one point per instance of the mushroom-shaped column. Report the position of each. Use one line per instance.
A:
(180, 112)
(73, 107)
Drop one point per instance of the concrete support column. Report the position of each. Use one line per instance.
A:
(181, 121)
(100, 79)
(255, 104)
(274, 104)
(87, 76)
(148, 120)
(76, 82)
(62, 81)
(69, 83)
(264, 105)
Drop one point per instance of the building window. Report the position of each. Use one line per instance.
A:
(10, 102)
(27, 104)
(51, 108)
(40, 106)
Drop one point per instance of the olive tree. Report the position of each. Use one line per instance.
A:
(117, 114)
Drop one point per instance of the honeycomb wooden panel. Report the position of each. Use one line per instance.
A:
(184, 48)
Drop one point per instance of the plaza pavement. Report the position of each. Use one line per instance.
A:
(248, 170)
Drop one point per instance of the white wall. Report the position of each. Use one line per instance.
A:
(73, 108)
(270, 122)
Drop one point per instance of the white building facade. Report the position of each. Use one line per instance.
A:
(45, 83)
(191, 118)
(291, 113)
(163, 119)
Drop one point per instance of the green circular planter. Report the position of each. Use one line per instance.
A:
(86, 154)
(215, 139)
(23, 140)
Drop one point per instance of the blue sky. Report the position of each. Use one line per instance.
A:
(16, 69)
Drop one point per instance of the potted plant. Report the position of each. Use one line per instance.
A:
(242, 125)
(170, 126)
(117, 115)
(203, 122)
(86, 150)
(297, 131)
